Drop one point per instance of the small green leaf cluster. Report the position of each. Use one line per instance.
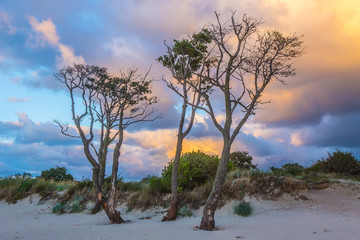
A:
(186, 56)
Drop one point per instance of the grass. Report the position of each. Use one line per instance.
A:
(59, 208)
(72, 196)
(14, 189)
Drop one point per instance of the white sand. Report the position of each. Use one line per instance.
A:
(328, 214)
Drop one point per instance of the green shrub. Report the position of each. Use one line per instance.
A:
(241, 160)
(319, 166)
(337, 162)
(185, 211)
(159, 185)
(195, 168)
(293, 169)
(59, 208)
(243, 209)
(56, 174)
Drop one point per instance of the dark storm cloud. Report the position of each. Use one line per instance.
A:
(333, 131)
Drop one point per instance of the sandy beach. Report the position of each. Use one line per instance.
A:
(333, 213)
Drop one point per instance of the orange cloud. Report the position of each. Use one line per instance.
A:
(166, 138)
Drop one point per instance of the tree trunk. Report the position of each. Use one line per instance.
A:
(172, 212)
(113, 215)
(108, 206)
(102, 161)
(208, 220)
(96, 207)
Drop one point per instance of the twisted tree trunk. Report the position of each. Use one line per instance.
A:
(107, 204)
(208, 220)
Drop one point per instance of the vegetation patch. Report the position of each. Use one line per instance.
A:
(243, 209)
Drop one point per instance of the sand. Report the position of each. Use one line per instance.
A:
(333, 213)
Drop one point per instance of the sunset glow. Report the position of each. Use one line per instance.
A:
(315, 112)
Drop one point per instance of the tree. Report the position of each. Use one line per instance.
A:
(115, 103)
(182, 59)
(241, 65)
(56, 174)
(242, 160)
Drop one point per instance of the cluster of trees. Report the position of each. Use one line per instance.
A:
(233, 60)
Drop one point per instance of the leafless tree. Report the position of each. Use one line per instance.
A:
(112, 102)
(243, 62)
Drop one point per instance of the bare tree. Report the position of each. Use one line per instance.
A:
(182, 59)
(115, 103)
(243, 62)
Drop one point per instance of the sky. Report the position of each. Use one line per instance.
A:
(315, 113)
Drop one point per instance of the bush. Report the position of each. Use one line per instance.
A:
(243, 209)
(242, 160)
(195, 169)
(159, 185)
(337, 162)
(185, 211)
(56, 174)
(293, 169)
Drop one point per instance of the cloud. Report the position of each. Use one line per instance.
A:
(18, 100)
(306, 103)
(334, 131)
(46, 33)
(7, 23)
(25, 131)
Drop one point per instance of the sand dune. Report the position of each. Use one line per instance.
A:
(333, 213)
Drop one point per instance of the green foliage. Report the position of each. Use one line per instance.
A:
(195, 168)
(186, 56)
(159, 185)
(130, 186)
(288, 169)
(25, 185)
(59, 208)
(243, 209)
(44, 187)
(56, 174)
(337, 162)
(185, 211)
(242, 160)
